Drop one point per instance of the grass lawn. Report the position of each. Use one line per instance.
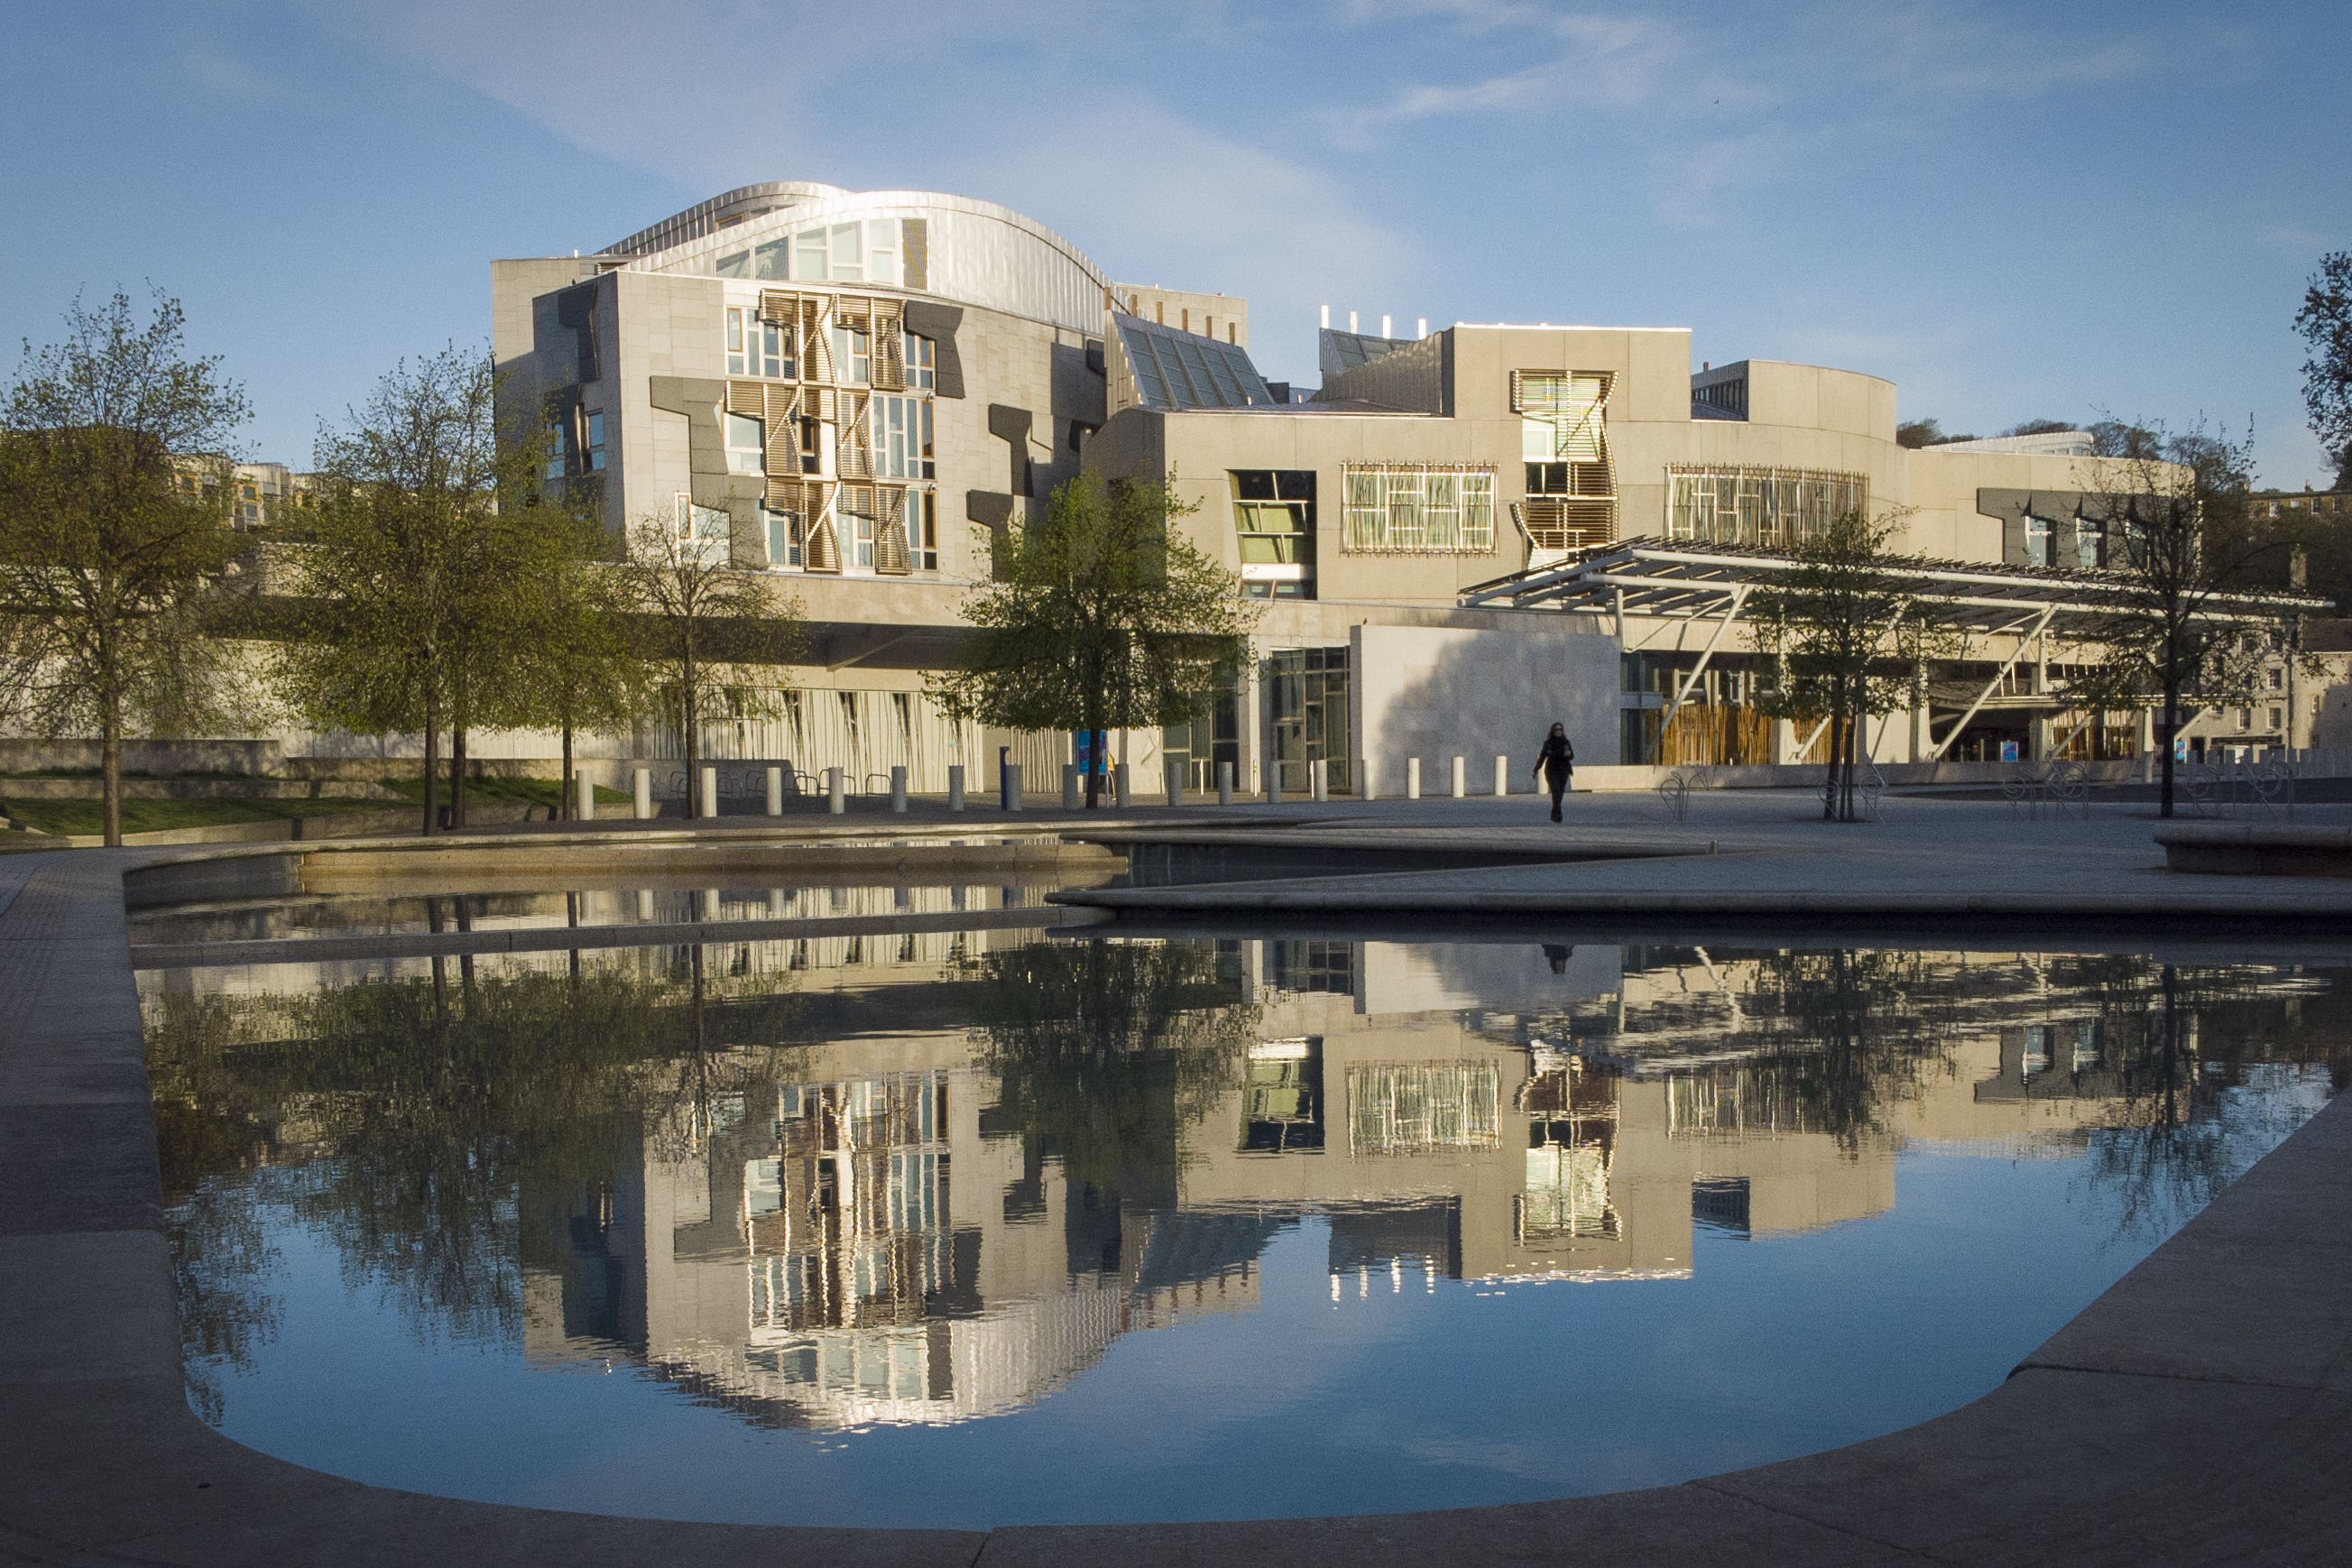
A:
(63, 816)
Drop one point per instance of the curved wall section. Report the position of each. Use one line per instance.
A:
(977, 253)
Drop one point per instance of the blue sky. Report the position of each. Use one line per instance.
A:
(2011, 211)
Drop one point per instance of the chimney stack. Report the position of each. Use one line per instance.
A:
(1351, 320)
(1420, 327)
(1327, 318)
(1387, 331)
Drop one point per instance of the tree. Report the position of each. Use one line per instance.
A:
(2039, 427)
(114, 533)
(1102, 617)
(1916, 433)
(420, 564)
(2186, 557)
(705, 620)
(1847, 638)
(2325, 323)
(585, 669)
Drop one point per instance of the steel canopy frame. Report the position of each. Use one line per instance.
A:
(1678, 580)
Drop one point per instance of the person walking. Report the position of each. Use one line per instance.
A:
(1556, 764)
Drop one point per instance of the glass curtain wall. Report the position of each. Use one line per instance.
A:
(1306, 699)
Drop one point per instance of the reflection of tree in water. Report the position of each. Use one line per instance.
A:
(1108, 1051)
(2192, 1043)
(1856, 1031)
(403, 1114)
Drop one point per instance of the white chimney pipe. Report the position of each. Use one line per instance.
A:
(1327, 318)
(1387, 331)
(1420, 328)
(1351, 320)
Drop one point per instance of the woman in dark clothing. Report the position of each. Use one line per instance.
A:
(1556, 764)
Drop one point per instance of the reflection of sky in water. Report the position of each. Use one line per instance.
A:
(1415, 1259)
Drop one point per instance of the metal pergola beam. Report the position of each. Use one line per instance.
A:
(2042, 628)
(1682, 693)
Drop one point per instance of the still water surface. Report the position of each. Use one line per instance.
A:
(986, 1228)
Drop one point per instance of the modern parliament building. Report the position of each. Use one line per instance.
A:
(1460, 536)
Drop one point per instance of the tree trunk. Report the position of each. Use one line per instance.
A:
(1094, 756)
(457, 773)
(2164, 734)
(110, 770)
(563, 785)
(1836, 739)
(432, 766)
(689, 744)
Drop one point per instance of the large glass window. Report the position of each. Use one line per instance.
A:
(705, 530)
(921, 356)
(922, 517)
(853, 357)
(783, 530)
(1769, 509)
(747, 444)
(558, 449)
(754, 347)
(2090, 543)
(1274, 522)
(902, 439)
(595, 443)
(1419, 508)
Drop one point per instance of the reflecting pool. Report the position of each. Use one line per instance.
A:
(974, 1229)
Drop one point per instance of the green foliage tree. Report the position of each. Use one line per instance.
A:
(1102, 616)
(708, 629)
(1849, 637)
(585, 667)
(2325, 323)
(2187, 559)
(423, 567)
(114, 536)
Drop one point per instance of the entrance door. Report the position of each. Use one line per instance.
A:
(1306, 697)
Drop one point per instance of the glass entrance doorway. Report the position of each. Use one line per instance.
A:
(1306, 703)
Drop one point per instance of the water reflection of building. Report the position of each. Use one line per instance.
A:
(878, 1240)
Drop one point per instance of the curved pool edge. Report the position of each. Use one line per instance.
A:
(2197, 1409)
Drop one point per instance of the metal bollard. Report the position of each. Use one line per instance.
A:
(710, 792)
(1365, 789)
(775, 792)
(1069, 786)
(955, 786)
(837, 790)
(1273, 781)
(1225, 784)
(1121, 784)
(1460, 776)
(1318, 780)
(1171, 779)
(1412, 778)
(586, 787)
(898, 790)
(644, 803)
(644, 905)
(1008, 788)
(1502, 775)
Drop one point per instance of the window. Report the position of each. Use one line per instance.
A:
(558, 450)
(811, 446)
(2277, 679)
(705, 528)
(783, 530)
(1419, 508)
(747, 444)
(2274, 719)
(861, 553)
(755, 347)
(1274, 524)
(1770, 508)
(773, 259)
(2037, 541)
(2090, 543)
(1547, 479)
(923, 529)
(921, 356)
(853, 357)
(595, 443)
(739, 265)
(902, 439)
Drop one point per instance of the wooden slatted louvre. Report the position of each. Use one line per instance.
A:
(853, 450)
(816, 344)
(820, 544)
(890, 372)
(1559, 522)
(892, 556)
(748, 397)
